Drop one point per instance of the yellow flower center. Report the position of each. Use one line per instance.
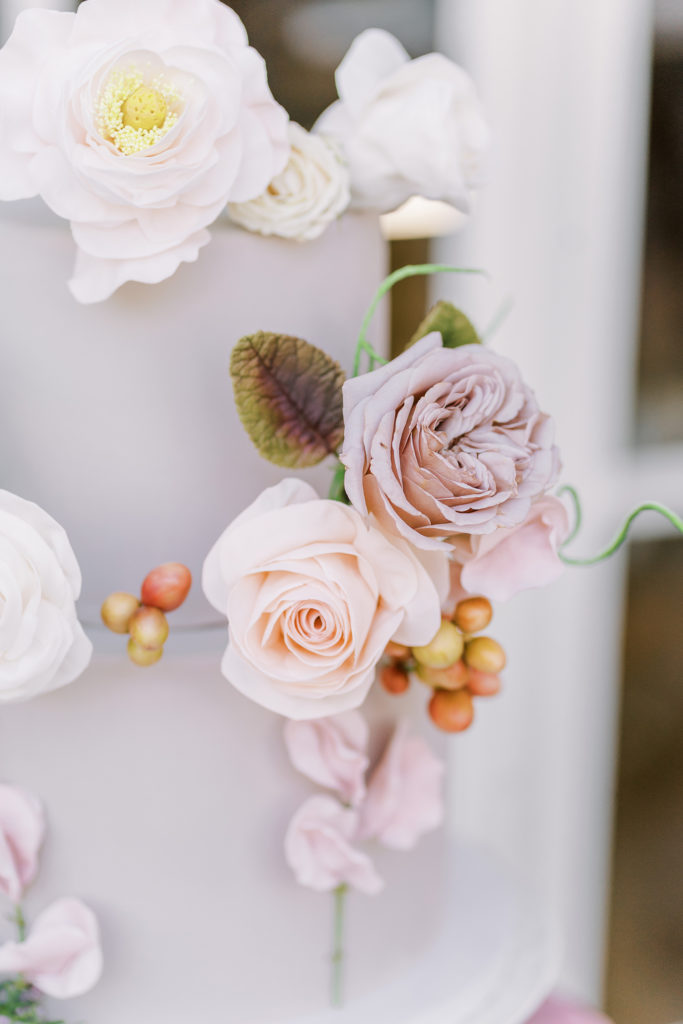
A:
(135, 114)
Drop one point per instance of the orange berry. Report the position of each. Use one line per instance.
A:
(398, 651)
(473, 614)
(149, 628)
(452, 678)
(452, 710)
(444, 650)
(167, 586)
(118, 610)
(394, 679)
(485, 654)
(143, 656)
(484, 684)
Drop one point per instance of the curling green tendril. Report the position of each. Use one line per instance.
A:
(620, 538)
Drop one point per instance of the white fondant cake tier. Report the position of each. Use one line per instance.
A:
(119, 418)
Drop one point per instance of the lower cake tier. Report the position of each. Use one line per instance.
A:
(168, 797)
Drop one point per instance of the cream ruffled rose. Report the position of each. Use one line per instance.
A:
(42, 644)
(311, 192)
(313, 594)
(406, 127)
(137, 121)
(443, 442)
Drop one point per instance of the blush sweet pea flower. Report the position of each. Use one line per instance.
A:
(313, 593)
(61, 956)
(332, 752)
(138, 122)
(405, 793)
(22, 830)
(442, 442)
(319, 848)
(407, 128)
(501, 564)
(42, 644)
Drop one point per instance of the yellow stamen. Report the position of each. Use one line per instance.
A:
(145, 109)
(133, 113)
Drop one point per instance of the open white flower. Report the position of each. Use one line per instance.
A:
(42, 644)
(300, 202)
(138, 122)
(406, 127)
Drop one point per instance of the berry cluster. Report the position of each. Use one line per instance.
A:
(457, 665)
(163, 590)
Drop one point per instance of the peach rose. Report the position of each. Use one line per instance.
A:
(442, 442)
(313, 594)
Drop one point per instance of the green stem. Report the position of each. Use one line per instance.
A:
(619, 540)
(338, 947)
(337, 492)
(417, 270)
(20, 922)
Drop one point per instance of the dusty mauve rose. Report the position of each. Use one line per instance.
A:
(42, 644)
(407, 128)
(313, 594)
(443, 441)
(301, 201)
(319, 848)
(22, 830)
(405, 793)
(61, 955)
(137, 120)
(501, 564)
(332, 752)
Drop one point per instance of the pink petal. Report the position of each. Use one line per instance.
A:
(22, 830)
(331, 752)
(557, 1011)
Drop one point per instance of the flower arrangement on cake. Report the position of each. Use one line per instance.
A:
(143, 124)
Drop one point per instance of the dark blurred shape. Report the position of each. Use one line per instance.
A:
(645, 975)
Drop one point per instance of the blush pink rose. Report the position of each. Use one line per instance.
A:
(442, 442)
(22, 830)
(405, 793)
(319, 848)
(332, 752)
(138, 205)
(313, 593)
(557, 1011)
(62, 955)
(501, 564)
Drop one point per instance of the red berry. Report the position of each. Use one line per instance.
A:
(394, 679)
(167, 586)
(452, 710)
(451, 678)
(484, 684)
(473, 614)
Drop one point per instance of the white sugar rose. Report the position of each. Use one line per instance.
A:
(313, 594)
(300, 202)
(138, 122)
(407, 128)
(42, 645)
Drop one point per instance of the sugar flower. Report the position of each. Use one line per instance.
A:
(61, 956)
(443, 442)
(319, 848)
(301, 201)
(137, 122)
(332, 752)
(406, 127)
(405, 793)
(313, 594)
(22, 830)
(42, 644)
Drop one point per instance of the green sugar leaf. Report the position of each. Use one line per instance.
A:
(454, 327)
(289, 398)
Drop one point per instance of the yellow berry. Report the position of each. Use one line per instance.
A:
(149, 628)
(394, 679)
(143, 656)
(144, 109)
(452, 678)
(473, 614)
(452, 711)
(485, 654)
(118, 610)
(445, 649)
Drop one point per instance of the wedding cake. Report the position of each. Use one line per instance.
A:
(246, 834)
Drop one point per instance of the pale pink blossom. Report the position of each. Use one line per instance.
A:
(61, 956)
(557, 1011)
(139, 204)
(22, 830)
(443, 442)
(313, 593)
(332, 752)
(319, 848)
(501, 564)
(405, 793)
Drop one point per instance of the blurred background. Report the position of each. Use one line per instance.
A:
(634, 900)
